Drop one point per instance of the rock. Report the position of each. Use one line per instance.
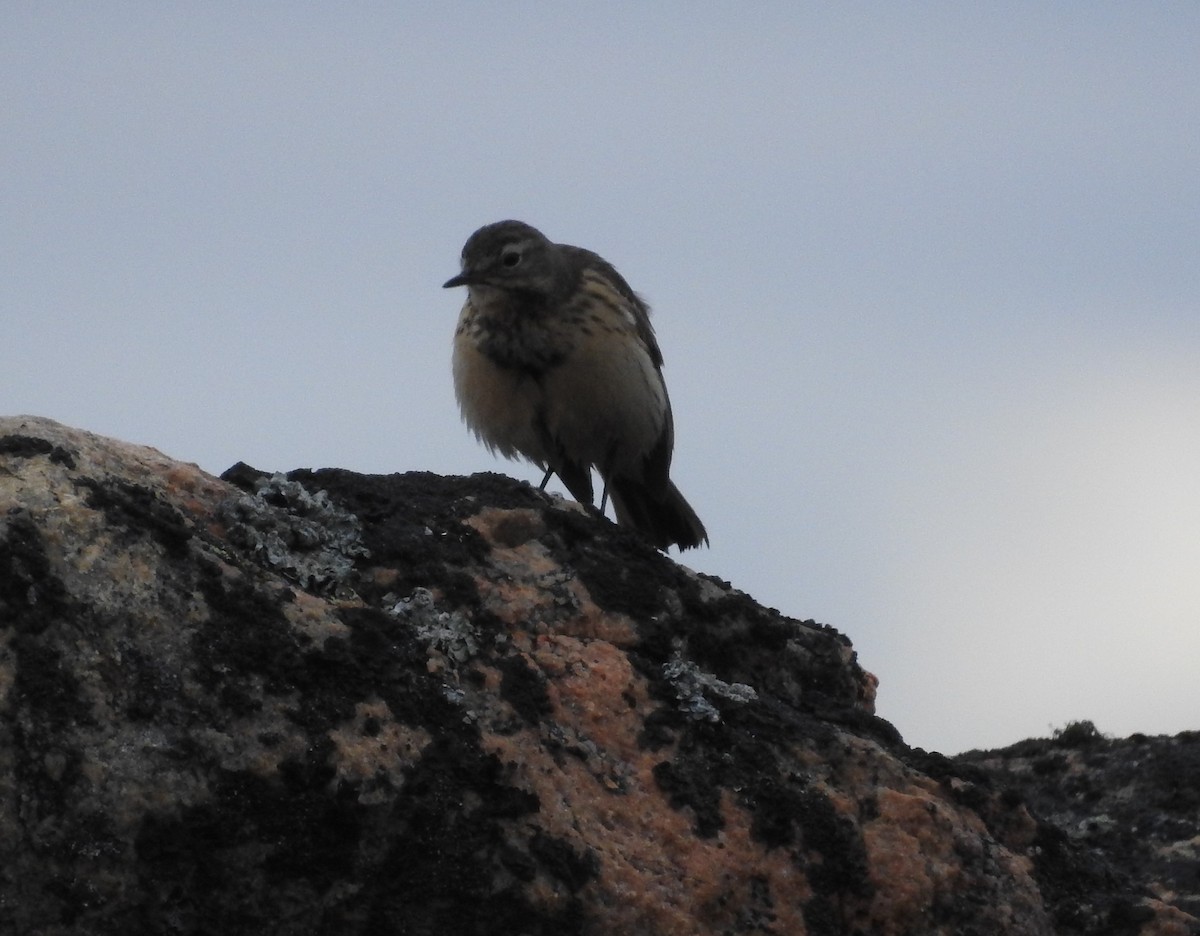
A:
(1119, 818)
(336, 703)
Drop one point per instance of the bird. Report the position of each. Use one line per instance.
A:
(555, 360)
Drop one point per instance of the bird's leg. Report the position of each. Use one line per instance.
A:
(546, 480)
(606, 473)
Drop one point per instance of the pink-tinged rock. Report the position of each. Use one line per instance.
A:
(335, 703)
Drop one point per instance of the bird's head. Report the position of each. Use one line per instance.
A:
(513, 257)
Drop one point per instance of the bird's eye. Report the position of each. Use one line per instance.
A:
(510, 257)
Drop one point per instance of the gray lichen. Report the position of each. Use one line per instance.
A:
(304, 536)
(694, 687)
(449, 632)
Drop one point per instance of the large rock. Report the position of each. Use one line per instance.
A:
(416, 704)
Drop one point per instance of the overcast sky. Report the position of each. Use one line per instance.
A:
(925, 276)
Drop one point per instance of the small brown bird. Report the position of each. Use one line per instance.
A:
(555, 359)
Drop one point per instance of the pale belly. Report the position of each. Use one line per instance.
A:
(498, 404)
(605, 405)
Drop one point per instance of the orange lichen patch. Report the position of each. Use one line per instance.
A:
(653, 873)
(192, 489)
(313, 616)
(869, 686)
(909, 854)
(914, 850)
(512, 602)
(506, 529)
(709, 883)
(527, 585)
(383, 577)
(374, 744)
(844, 803)
(591, 678)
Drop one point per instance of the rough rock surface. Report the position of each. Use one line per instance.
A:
(415, 704)
(1120, 817)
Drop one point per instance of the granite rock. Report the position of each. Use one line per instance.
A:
(335, 703)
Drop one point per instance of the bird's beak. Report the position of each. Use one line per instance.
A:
(463, 279)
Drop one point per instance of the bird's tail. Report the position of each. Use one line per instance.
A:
(663, 517)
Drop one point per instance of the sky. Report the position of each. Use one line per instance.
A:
(925, 277)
